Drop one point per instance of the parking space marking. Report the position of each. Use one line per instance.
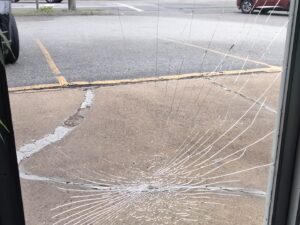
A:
(147, 79)
(130, 7)
(217, 52)
(54, 69)
(61, 80)
(35, 87)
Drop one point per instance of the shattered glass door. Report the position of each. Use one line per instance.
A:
(147, 112)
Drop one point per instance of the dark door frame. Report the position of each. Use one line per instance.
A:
(284, 186)
(11, 206)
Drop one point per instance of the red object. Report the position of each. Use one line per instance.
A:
(247, 6)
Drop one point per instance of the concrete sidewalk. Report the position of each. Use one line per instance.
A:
(191, 151)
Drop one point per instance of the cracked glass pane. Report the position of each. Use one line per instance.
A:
(147, 112)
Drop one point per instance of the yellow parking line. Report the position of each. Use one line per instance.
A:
(142, 80)
(62, 81)
(34, 87)
(217, 52)
(54, 69)
(175, 77)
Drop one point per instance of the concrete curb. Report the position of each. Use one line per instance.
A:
(79, 84)
(61, 12)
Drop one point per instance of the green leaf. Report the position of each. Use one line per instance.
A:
(3, 125)
(6, 43)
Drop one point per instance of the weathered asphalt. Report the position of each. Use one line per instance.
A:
(132, 44)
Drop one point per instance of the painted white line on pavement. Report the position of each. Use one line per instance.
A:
(130, 7)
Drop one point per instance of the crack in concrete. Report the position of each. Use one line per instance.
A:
(69, 125)
(26, 151)
(270, 109)
(147, 188)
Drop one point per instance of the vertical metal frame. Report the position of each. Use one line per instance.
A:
(11, 207)
(284, 185)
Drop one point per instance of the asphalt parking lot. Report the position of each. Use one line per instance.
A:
(138, 44)
(158, 112)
